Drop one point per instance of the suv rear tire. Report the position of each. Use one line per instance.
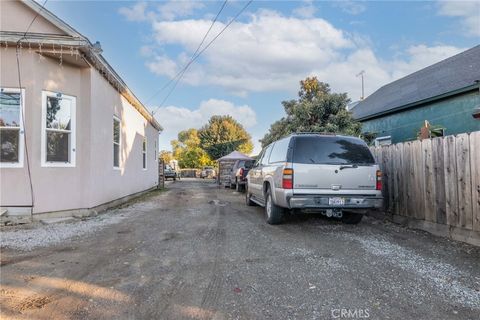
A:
(273, 213)
(351, 217)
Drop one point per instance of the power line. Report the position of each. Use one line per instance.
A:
(35, 18)
(182, 72)
(22, 102)
(193, 55)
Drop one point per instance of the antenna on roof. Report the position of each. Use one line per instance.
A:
(361, 74)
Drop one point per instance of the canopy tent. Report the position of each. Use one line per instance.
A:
(235, 155)
(225, 165)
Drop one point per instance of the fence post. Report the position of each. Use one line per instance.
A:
(161, 175)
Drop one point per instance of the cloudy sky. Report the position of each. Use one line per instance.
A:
(260, 58)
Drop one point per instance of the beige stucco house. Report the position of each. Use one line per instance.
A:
(73, 136)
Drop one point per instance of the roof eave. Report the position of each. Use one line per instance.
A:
(420, 102)
(96, 60)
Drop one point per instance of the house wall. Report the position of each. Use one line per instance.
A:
(92, 181)
(54, 188)
(109, 183)
(454, 114)
(15, 16)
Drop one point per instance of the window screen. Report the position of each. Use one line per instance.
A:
(59, 124)
(116, 143)
(10, 126)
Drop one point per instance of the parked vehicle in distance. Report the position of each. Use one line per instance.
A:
(238, 174)
(331, 174)
(170, 173)
(208, 172)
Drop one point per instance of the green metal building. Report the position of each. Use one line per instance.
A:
(446, 94)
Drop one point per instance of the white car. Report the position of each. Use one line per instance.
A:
(335, 175)
(208, 172)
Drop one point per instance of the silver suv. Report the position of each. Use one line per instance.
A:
(334, 175)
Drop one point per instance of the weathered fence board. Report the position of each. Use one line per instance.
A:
(475, 176)
(401, 181)
(419, 171)
(437, 180)
(451, 181)
(439, 172)
(429, 188)
(464, 181)
(409, 168)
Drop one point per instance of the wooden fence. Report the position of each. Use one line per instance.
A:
(436, 180)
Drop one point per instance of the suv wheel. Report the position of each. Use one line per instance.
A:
(351, 217)
(274, 213)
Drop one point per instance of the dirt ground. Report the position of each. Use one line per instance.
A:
(197, 252)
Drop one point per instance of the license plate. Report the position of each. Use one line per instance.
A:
(336, 201)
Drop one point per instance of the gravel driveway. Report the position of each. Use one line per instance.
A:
(197, 252)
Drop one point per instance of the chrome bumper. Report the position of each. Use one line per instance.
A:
(321, 202)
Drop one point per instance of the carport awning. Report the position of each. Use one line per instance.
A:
(235, 155)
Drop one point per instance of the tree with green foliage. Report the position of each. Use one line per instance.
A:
(187, 150)
(222, 135)
(316, 110)
(165, 156)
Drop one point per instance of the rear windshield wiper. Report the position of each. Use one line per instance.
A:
(352, 166)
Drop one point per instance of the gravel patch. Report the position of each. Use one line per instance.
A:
(445, 278)
(52, 234)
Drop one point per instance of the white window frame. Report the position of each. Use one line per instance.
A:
(73, 130)
(377, 140)
(155, 157)
(145, 153)
(21, 136)
(115, 118)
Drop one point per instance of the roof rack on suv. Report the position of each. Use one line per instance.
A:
(322, 133)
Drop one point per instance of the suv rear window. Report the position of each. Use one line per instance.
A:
(331, 150)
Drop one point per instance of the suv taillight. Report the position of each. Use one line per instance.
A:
(241, 173)
(287, 180)
(379, 180)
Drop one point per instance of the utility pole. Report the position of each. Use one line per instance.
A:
(361, 74)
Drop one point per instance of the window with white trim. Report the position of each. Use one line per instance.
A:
(11, 127)
(155, 158)
(116, 142)
(58, 129)
(144, 153)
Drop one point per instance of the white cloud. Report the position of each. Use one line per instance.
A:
(421, 56)
(169, 10)
(307, 10)
(272, 52)
(467, 11)
(162, 65)
(350, 7)
(137, 12)
(175, 119)
(178, 9)
(268, 53)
